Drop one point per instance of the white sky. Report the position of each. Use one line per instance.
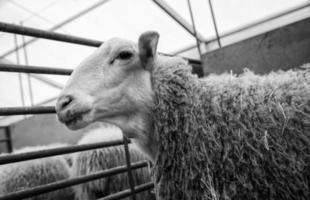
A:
(121, 18)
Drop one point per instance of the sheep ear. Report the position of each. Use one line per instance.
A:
(147, 48)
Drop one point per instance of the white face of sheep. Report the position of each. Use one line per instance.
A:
(112, 85)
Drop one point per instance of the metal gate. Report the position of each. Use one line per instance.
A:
(6, 111)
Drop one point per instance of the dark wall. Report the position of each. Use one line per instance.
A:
(283, 48)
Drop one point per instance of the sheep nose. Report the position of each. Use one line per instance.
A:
(63, 102)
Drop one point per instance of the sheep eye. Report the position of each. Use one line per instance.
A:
(124, 55)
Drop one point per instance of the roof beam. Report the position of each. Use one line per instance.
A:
(178, 18)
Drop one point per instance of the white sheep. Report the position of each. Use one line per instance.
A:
(87, 162)
(27, 174)
(220, 138)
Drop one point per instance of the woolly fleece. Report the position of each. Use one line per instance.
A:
(231, 137)
(27, 174)
(88, 162)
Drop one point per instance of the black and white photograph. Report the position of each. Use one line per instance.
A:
(154, 99)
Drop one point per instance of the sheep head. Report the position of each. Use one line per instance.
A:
(112, 85)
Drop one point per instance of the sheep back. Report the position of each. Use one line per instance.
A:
(27, 174)
(229, 137)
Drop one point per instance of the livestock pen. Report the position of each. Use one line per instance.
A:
(219, 41)
(13, 158)
(35, 110)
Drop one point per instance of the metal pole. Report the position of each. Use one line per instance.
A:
(194, 28)
(178, 18)
(18, 157)
(34, 69)
(214, 24)
(127, 193)
(28, 75)
(29, 110)
(128, 163)
(20, 78)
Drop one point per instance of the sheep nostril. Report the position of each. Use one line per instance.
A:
(63, 102)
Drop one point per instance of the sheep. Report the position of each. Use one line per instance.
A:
(27, 174)
(222, 137)
(92, 161)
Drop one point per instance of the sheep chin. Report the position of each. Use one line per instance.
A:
(79, 122)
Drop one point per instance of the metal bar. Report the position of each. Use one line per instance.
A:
(5, 111)
(34, 69)
(20, 78)
(69, 182)
(8, 137)
(127, 193)
(11, 158)
(214, 24)
(3, 140)
(54, 71)
(65, 22)
(178, 18)
(27, 62)
(129, 169)
(194, 27)
(243, 28)
(11, 28)
(58, 71)
(59, 37)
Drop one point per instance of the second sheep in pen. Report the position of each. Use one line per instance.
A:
(92, 161)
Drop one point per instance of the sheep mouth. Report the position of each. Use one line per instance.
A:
(79, 121)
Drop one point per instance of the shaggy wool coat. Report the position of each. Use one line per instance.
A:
(229, 137)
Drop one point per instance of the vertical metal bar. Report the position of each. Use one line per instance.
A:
(21, 89)
(27, 63)
(128, 163)
(214, 24)
(194, 27)
(9, 139)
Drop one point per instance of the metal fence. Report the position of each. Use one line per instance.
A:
(10, 158)
(6, 111)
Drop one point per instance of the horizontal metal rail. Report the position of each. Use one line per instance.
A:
(127, 193)
(15, 29)
(11, 28)
(4, 140)
(5, 111)
(70, 182)
(34, 69)
(50, 70)
(11, 158)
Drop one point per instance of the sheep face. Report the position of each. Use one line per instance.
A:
(112, 85)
